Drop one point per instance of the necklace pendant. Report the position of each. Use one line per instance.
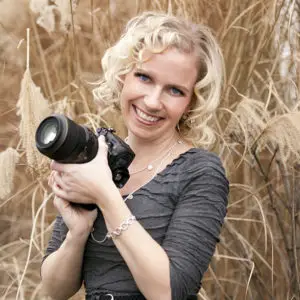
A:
(150, 167)
(130, 196)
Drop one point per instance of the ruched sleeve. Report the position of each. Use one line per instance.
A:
(196, 223)
(58, 236)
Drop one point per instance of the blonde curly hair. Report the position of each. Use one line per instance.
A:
(156, 32)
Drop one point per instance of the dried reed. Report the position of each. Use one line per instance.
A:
(33, 108)
(8, 160)
(282, 132)
(247, 122)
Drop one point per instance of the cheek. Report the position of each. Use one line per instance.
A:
(131, 91)
(189, 104)
(179, 108)
(124, 97)
(125, 93)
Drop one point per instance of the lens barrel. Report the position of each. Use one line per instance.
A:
(61, 139)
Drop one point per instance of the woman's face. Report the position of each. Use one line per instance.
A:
(157, 93)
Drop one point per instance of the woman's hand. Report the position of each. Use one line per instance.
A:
(79, 220)
(83, 183)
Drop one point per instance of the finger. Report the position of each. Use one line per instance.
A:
(102, 144)
(68, 195)
(57, 177)
(56, 166)
(50, 179)
(59, 192)
(102, 141)
(61, 204)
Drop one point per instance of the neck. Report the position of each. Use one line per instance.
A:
(146, 151)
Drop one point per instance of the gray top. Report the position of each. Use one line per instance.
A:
(182, 208)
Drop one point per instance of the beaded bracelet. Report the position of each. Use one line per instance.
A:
(123, 226)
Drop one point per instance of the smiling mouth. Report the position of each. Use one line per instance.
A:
(145, 117)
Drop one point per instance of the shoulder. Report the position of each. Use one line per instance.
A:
(200, 166)
(196, 159)
(194, 170)
(192, 163)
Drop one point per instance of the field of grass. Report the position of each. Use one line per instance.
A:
(50, 50)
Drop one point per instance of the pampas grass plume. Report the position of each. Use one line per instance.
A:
(8, 160)
(247, 122)
(33, 108)
(282, 132)
(47, 13)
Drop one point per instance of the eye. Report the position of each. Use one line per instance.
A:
(176, 92)
(142, 77)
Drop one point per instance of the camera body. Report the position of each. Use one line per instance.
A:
(62, 140)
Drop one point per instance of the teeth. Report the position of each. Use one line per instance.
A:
(146, 117)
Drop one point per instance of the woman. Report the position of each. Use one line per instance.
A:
(155, 237)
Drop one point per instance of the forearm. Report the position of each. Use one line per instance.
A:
(61, 271)
(146, 259)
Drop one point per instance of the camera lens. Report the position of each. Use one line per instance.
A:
(51, 135)
(61, 139)
(48, 132)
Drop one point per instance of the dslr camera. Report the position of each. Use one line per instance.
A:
(62, 140)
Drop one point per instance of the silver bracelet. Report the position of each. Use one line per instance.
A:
(123, 226)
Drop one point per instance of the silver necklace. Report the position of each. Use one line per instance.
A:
(130, 195)
(150, 167)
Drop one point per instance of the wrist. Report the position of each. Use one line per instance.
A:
(77, 238)
(109, 198)
(115, 212)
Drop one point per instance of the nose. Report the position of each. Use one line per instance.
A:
(153, 99)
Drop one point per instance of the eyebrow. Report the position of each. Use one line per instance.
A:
(181, 87)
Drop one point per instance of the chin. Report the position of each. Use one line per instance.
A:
(150, 134)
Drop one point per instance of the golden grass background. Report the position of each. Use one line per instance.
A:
(258, 126)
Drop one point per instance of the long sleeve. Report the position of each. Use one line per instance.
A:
(195, 226)
(58, 236)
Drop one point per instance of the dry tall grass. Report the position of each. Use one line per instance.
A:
(258, 125)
